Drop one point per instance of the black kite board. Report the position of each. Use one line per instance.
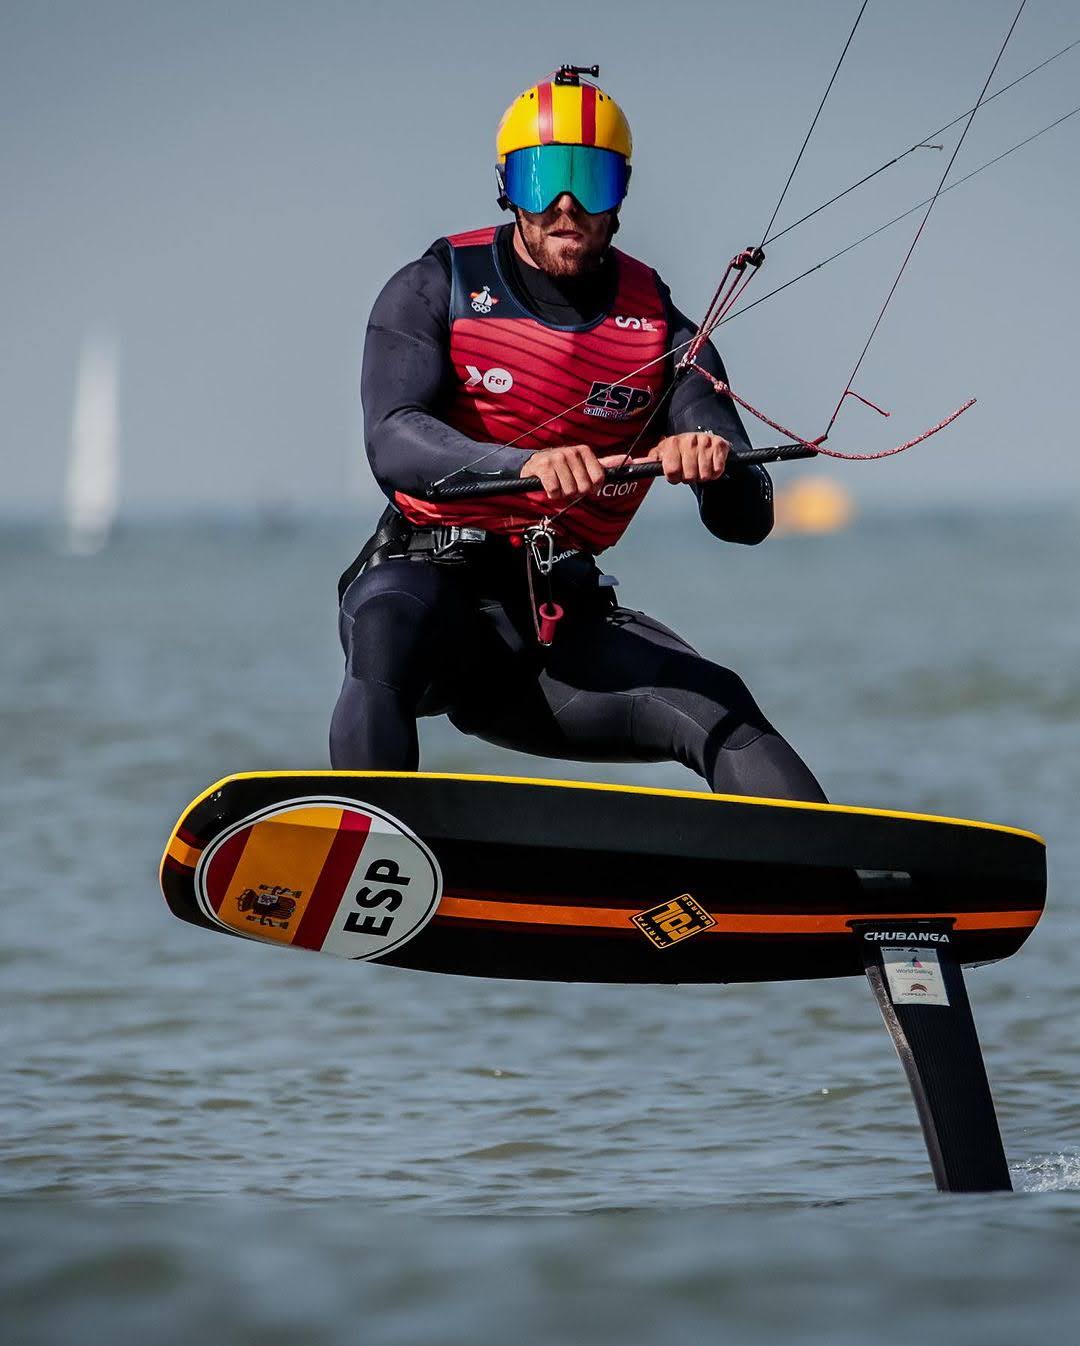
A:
(502, 877)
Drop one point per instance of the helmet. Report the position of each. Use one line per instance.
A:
(563, 135)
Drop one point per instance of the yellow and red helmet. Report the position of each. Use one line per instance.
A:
(563, 135)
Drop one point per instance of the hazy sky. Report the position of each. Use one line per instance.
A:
(226, 186)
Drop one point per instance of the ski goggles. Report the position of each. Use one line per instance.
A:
(533, 178)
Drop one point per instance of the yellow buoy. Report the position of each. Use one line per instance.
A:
(813, 505)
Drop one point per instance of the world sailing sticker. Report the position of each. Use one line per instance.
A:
(914, 977)
(320, 873)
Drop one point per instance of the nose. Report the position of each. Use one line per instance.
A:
(567, 203)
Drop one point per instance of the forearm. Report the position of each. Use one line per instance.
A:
(695, 403)
(738, 507)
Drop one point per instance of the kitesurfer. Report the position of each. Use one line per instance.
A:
(538, 348)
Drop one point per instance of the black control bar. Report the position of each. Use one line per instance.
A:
(505, 483)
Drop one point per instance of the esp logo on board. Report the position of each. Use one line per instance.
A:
(370, 898)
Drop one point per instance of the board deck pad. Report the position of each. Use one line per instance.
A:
(507, 877)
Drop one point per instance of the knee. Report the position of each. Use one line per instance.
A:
(389, 625)
(389, 639)
(734, 709)
(717, 702)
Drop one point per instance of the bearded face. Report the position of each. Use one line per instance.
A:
(565, 240)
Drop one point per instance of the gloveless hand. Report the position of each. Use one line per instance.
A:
(570, 471)
(696, 456)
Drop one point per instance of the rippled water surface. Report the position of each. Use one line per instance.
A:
(207, 1140)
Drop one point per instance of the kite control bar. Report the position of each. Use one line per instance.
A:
(507, 484)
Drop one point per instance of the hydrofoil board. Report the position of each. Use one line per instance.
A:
(506, 877)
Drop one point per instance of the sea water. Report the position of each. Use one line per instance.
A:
(205, 1140)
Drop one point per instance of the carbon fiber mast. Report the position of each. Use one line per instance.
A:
(919, 986)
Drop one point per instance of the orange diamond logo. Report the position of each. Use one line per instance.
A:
(673, 921)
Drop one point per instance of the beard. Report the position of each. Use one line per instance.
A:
(563, 257)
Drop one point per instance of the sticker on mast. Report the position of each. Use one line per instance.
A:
(320, 873)
(914, 977)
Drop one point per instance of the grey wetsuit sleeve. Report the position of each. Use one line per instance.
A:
(405, 379)
(738, 507)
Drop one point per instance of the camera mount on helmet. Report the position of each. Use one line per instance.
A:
(571, 74)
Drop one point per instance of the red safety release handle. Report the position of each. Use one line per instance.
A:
(550, 616)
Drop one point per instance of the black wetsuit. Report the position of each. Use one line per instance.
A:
(424, 637)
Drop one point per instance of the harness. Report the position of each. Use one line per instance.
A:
(395, 538)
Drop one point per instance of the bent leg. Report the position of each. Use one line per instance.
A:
(392, 622)
(626, 688)
(707, 715)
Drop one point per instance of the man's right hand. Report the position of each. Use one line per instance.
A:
(569, 472)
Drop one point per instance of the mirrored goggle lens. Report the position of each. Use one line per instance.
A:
(535, 177)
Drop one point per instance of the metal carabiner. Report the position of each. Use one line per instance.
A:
(541, 542)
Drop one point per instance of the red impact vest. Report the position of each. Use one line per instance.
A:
(512, 373)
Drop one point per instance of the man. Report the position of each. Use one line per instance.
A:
(536, 349)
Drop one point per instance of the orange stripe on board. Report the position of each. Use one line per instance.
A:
(727, 923)
(185, 855)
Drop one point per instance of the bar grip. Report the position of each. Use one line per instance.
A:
(505, 483)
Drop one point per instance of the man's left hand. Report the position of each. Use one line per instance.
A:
(697, 456)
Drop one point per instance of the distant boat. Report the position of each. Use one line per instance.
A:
(92, 486)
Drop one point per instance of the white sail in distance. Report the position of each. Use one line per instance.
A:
(92, 486)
